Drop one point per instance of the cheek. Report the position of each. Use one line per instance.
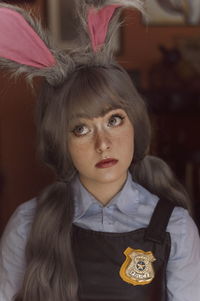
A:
(132, 142)
(73, 150)
(128, 142)
(129, 148)
(78, 153)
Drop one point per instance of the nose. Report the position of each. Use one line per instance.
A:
(102, 142)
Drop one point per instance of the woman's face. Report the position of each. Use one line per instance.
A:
(102, 148)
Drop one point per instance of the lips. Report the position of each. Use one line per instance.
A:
(106, 163)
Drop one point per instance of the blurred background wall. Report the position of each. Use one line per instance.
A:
(169, 84)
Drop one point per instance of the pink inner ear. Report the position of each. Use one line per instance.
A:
(20, 43)
(98, 21)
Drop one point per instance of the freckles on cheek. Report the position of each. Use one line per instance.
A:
(77, 150)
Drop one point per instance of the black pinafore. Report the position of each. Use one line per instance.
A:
(99, 257)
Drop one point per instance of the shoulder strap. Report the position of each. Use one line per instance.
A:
(159, 221)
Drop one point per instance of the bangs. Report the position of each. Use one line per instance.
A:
(92, 95)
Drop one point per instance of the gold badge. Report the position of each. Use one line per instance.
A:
(137, 269)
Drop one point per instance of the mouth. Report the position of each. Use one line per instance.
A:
(106, 163)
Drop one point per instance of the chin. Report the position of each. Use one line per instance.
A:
(111, 177)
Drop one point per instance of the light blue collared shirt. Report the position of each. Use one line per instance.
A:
(130, 209)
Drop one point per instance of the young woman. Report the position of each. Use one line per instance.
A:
(115, 225)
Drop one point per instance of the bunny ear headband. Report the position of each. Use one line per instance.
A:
(26, 48)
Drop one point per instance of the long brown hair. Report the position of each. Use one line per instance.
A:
(91, 91)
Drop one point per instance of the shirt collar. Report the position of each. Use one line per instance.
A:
(83, 199)
(126, 200)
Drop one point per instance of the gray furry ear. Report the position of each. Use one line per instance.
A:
(26, 48)
(108, 12)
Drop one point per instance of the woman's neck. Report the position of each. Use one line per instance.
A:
(103, 192)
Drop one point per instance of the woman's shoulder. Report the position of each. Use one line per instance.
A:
(20, 221)
(181, 224)
(25, 212)
(26, 209)
(179, 216)
(12, 249)
(180, 220)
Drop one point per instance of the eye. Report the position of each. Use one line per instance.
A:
(115, 120)
(80, 130)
